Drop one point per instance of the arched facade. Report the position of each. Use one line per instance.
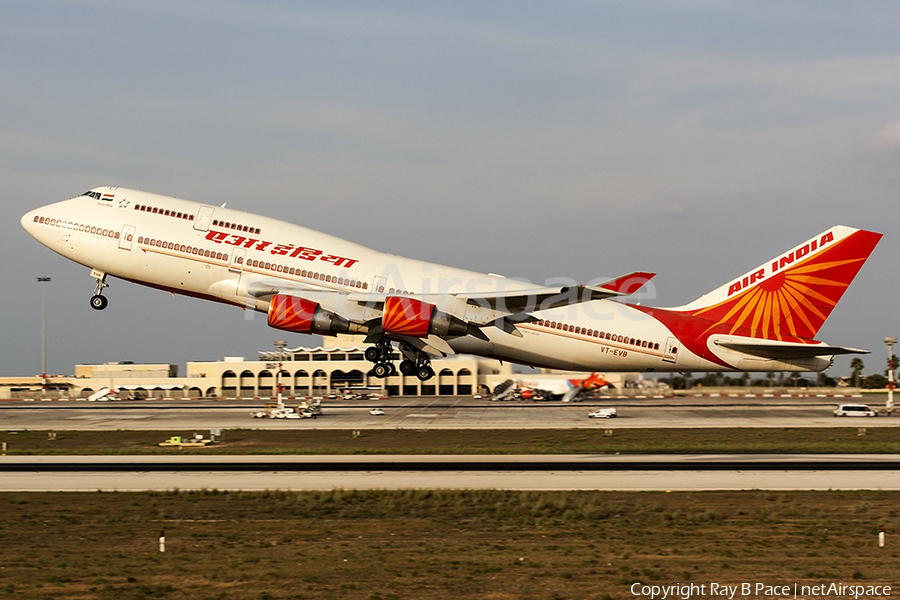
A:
(466, 382)
(311, 372)
(265, 385)
(247, 385)
(305, 372)
(229, 383)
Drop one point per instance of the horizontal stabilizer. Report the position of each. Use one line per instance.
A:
(776, 350)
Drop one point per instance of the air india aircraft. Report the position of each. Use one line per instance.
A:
(313, 283)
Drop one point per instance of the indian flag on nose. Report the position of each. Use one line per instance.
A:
(108, 197)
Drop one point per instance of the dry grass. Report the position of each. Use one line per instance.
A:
(436, 545)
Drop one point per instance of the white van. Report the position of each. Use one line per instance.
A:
(854, 410)
(604, 413)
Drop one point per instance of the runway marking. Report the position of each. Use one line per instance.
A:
(108, 418)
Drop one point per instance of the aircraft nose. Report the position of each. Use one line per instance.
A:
(29, 221)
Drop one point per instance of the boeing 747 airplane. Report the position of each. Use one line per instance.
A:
(313, 283)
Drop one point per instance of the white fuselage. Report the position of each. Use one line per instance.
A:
(225, 255)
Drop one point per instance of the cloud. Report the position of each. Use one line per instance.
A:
(889, 136)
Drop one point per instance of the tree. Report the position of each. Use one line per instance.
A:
(857, 366)
(825, 381)
(874, 382)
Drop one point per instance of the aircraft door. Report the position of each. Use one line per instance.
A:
(378, 284)
(237, 260)
(204, 218)
(671, 353)
(126, 238)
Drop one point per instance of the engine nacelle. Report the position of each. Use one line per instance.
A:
(408, 316)
(304, 316)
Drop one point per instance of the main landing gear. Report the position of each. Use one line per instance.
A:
(98, 300)
(382, 355)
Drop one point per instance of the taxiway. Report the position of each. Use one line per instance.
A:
(440, 413)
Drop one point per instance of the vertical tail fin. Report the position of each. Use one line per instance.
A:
(791, 296)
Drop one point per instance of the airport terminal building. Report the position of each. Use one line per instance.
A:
(333, 368)
(304, 372)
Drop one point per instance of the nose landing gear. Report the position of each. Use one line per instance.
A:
(98, 300)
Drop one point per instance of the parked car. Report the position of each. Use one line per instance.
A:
(603, 413)
(854, 410)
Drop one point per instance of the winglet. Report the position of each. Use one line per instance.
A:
(626, 284)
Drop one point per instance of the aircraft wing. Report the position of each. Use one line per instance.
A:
(463, 313)
(506, 301)
(543, 298)
(784, 350)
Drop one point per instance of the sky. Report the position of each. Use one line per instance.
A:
(696, 139)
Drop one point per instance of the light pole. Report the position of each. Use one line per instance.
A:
(280, 344)
(890, 342)
(42, 281)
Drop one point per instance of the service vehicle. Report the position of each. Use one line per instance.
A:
(603, 413)
(855, 410)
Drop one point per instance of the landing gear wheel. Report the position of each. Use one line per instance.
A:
(392, 370)
(425, 373)
(373, 354)
(99, 302)
(407, 367)
(381, 370)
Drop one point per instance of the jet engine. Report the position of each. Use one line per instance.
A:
(408, 316)
(304, 316)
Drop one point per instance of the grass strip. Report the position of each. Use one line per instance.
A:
(440, 544)
(828, 440)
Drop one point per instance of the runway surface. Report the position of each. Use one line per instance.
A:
(472, 472)
(626, 473)
(441, 413)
